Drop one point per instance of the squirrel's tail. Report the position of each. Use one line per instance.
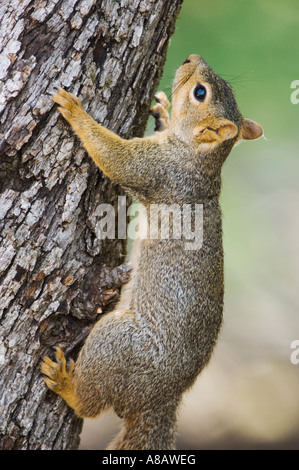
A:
(147, 431)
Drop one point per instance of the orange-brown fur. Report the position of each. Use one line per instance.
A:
(140, 358)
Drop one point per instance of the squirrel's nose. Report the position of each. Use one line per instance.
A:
(193, 58)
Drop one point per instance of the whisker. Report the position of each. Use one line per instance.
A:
(237, 79)
(179, 85)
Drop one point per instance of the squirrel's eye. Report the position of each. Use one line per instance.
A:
(200, 92)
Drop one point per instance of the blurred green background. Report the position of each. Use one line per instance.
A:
(248, 397)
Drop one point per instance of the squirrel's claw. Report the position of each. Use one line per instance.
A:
(57, 373)
(161, 98)
(65, 99)
(70, 106)
(160, 112)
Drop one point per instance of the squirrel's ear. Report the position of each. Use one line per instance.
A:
(250, 130)
(215, 131)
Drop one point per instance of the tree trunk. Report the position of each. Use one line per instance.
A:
(56, 274)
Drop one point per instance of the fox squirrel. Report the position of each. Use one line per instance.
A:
(141, 357)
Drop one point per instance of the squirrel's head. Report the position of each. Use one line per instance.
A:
(204, 109)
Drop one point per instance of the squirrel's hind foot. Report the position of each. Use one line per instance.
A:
(59, 375)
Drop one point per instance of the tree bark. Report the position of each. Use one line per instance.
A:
(56, 274)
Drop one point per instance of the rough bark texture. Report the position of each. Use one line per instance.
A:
(55, 273)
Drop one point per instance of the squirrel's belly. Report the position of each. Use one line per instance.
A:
(170, 278)
(179, 296)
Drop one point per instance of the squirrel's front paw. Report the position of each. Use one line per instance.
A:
(70, 106)
(160, 111)
(59, 374)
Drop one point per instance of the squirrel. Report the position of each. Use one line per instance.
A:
(141, 357)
